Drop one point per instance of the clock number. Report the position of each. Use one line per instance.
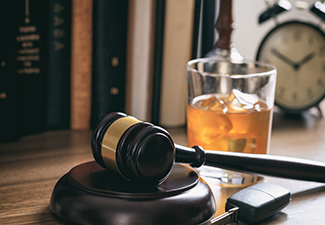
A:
(294, 97)
(322, 51)
(320, 82)
(311, 40)
(285, 39)
(297, 35)
(281, 92)
(310, 92)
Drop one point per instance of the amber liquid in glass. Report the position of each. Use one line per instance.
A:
(237, 123)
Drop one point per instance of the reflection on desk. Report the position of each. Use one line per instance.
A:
(30, 168)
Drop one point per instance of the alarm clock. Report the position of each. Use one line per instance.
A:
(297, 49)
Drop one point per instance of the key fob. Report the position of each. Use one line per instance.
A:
(259, 202)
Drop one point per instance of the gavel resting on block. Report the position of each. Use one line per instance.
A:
(142, 152)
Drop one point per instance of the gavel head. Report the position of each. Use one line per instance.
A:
(138, 150)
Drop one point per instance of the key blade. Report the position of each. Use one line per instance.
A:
(228, 217)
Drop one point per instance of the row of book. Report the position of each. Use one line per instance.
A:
(64, 64)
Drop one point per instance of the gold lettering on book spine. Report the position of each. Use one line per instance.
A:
(3, 95)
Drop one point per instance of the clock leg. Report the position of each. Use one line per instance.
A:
(320, 111)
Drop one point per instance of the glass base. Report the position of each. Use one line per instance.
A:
(227, 178)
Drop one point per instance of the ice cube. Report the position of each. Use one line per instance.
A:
(241, 102)
(236, 144)
(206, 118)
(213, 125)
(260, 106)
(219, 106)
(246, 145)
(204, 102)
(208, 102)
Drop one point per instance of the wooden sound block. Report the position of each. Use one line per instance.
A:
(90, 194)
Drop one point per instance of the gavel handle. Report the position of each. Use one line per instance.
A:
(271, 165)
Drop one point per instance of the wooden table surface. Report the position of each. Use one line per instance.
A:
(30, 168)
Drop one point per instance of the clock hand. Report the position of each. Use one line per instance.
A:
(306, 59)
(283, 58)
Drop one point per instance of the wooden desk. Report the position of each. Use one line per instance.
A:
(30, 168)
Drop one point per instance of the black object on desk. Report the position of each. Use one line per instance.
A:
(254, 204)
(90, 194)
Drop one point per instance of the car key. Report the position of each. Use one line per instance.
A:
(254, 204)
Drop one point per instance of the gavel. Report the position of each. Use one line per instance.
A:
(143, 152)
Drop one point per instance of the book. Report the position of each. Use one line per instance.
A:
(59, 52)
(8, 81)
(31, 64)
(110, 25)
(157, 61)
(140, 58)
(177, 50)
(208, 31)
(196, 29)
(81, 64)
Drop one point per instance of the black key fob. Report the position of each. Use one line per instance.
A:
(259, 202)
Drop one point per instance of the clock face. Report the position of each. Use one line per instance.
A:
(297, 50)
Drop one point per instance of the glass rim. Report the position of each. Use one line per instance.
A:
(272, 68)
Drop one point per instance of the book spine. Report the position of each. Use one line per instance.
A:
(208, 27)
(59, 53)
(139, 58)
(31, 64)
(179, 16)
(8, 82)
(110, 25)
(157, 60)
(81, 54)
(196, 29)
